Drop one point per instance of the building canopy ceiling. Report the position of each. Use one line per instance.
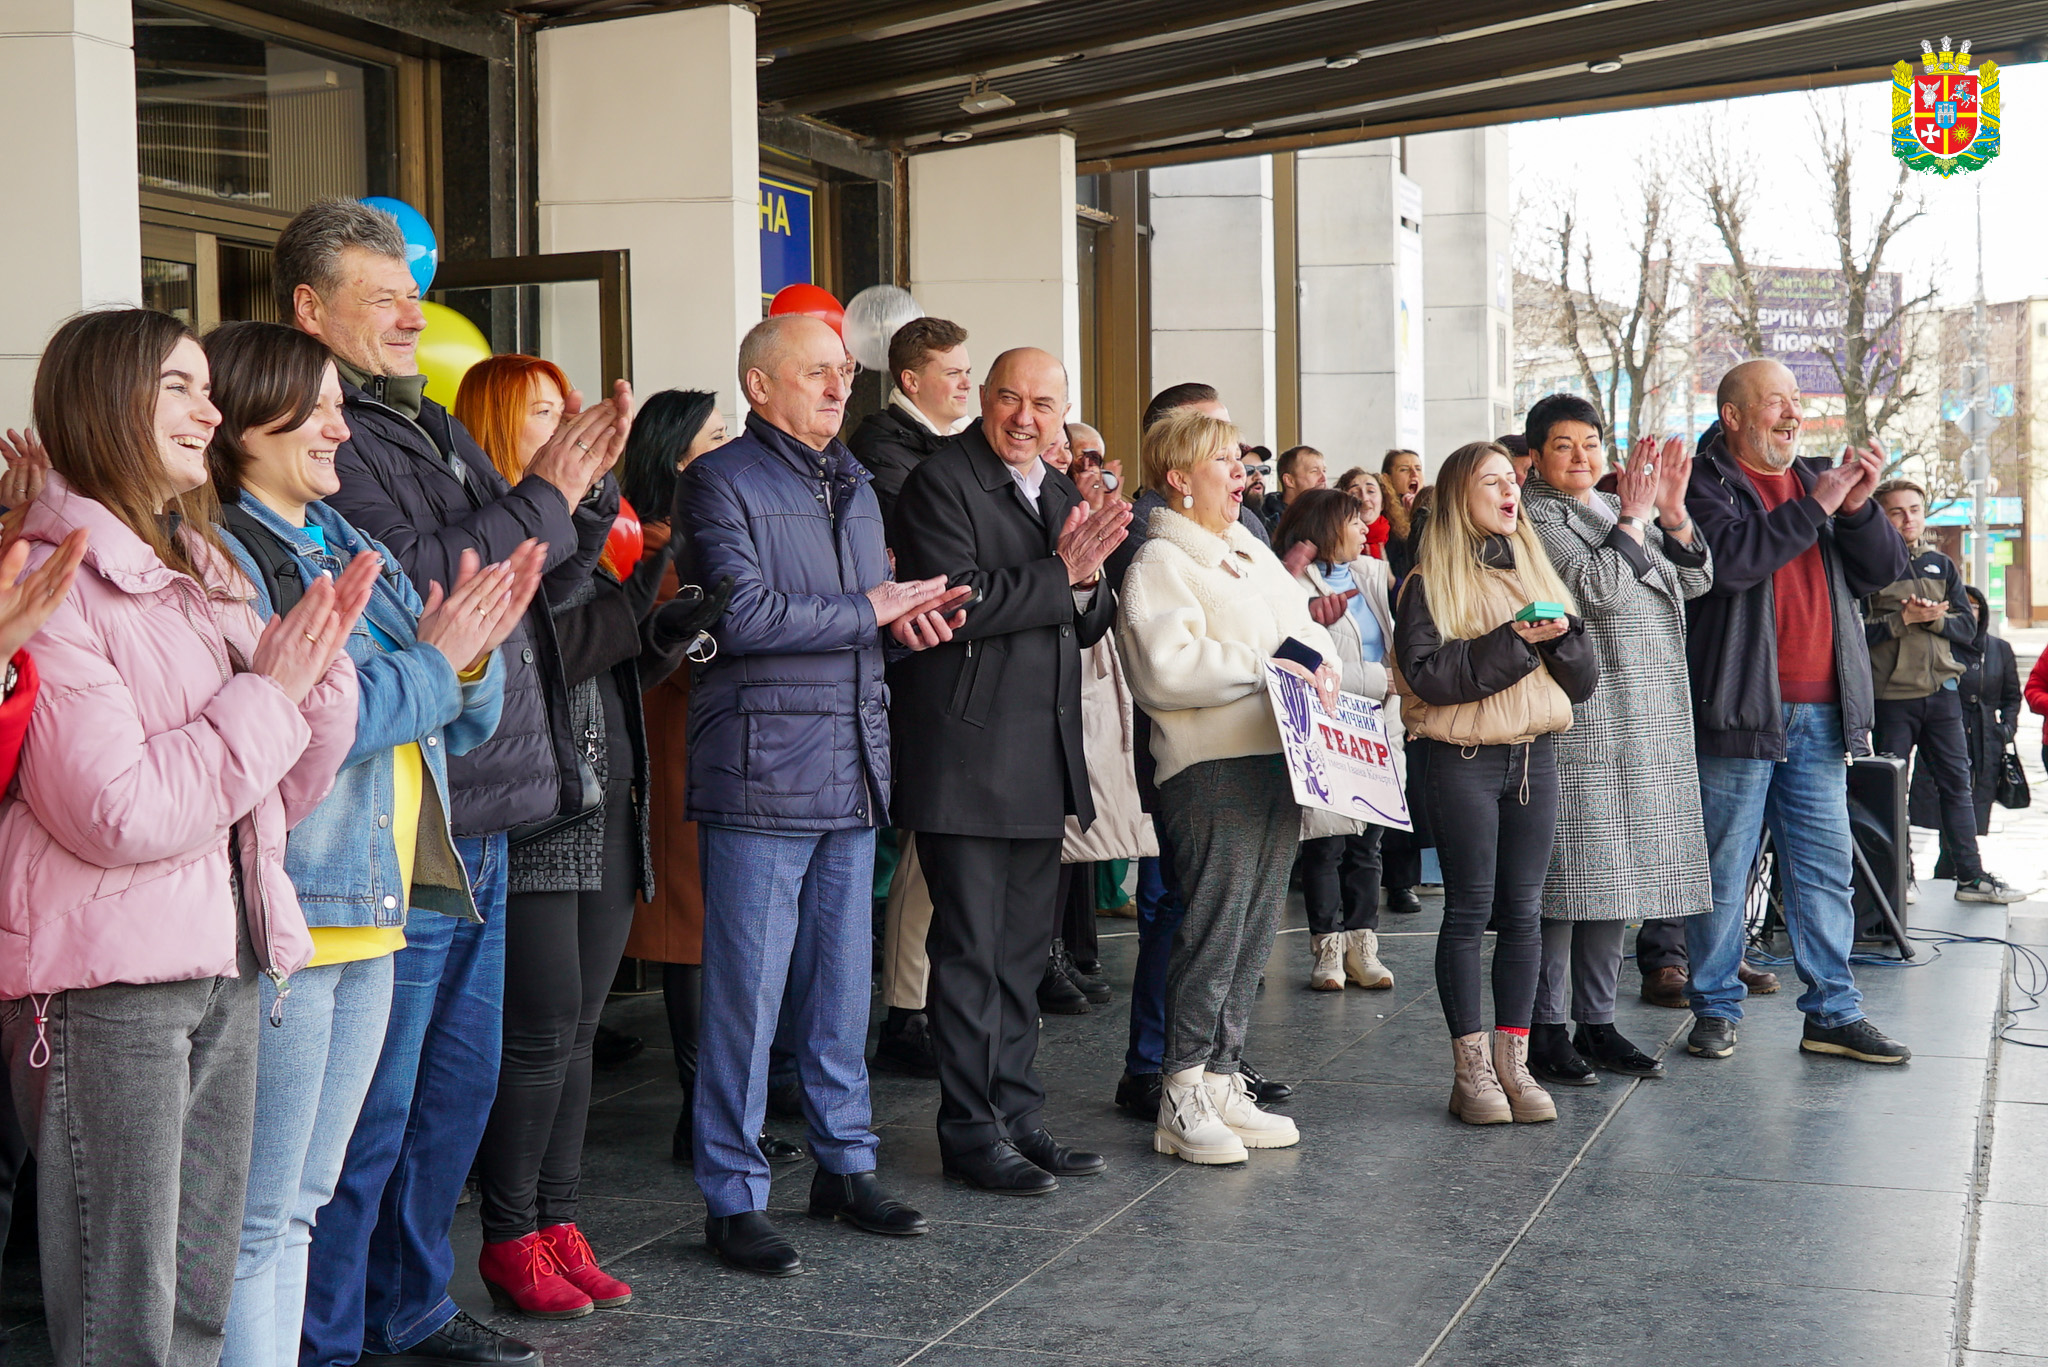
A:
(1142, 82)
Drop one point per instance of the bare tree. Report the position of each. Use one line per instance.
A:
(1724, 177)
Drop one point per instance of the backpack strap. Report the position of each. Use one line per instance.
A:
(281, 570)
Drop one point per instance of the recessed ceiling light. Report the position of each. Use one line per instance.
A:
(765, 59)
(956, 135)
(1237, 132)
(1604, 65)
(1339, 63)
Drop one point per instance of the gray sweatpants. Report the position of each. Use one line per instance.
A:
(1234, 827)
(141, 1123)
(1590, 953)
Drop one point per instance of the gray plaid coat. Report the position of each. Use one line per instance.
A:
(1630, 845)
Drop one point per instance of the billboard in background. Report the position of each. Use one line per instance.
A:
(1801, 312)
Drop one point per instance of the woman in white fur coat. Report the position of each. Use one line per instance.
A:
(1204, 608)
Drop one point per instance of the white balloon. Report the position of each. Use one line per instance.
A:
(872, 319)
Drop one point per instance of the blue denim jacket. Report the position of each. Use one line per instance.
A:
(342, 858)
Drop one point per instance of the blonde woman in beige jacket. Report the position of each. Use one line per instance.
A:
(1204, 608)
(1481, 695)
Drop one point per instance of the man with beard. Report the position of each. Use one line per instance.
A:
(1781, 693)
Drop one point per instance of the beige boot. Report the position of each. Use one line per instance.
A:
(1254, 1127)
(1511, 1066)
(1328, 973)
(1189, 1124)
(1362, 960)
(1476, 1097)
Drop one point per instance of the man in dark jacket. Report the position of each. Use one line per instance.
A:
(412, 477)
(1781, 697)
(989, 754)
(1300, 469)
(932, 395)
(788, 779)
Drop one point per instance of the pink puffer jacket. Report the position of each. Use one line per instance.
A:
(144, 749)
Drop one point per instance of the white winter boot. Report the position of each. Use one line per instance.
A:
(1362, 960)
(1254, 1127)
(1189, 1124)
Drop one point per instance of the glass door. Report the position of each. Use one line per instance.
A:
(573, 308)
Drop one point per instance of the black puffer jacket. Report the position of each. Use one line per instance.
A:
(891, 443)
(1731, 640)
(400, 484)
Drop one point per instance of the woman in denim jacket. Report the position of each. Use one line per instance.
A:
(429, 684)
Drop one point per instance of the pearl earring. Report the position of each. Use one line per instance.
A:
(1187, 500)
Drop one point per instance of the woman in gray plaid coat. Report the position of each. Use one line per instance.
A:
(1630, 845)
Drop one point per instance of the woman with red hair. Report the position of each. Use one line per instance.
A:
(571, 882)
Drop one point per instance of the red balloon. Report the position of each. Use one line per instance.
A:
(624, 543)
(810, 299)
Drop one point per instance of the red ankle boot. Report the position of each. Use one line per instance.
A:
(522, 1275)
(571, 1252)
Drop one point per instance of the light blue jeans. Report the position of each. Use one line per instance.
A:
(1804, 799)
(311, 1075)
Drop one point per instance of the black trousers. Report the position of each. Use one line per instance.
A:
(1660, 943)
(1400, 860)
(1076, 903)
(1340, 881)
(1935, 724)
(562, 951)
(1493, 809)
(992, 926)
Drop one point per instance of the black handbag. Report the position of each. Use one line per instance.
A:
(591, 804)
(2012, 792)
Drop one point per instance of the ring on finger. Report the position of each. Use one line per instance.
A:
(583, 445)
(315, 640)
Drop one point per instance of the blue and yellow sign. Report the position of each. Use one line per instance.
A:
(785, 235)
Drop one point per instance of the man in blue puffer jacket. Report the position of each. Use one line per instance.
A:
(789, 779)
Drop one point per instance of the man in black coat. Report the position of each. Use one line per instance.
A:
(989, 759)
(933, 392)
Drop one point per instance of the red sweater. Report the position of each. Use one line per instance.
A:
(1806, 618)
(2037, 685)
(14, 714)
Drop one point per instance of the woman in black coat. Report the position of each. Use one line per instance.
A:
(1990, 693)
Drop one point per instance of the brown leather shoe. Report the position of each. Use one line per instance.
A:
(1759, 983)
(1665, 987)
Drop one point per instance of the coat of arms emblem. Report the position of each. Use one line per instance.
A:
(1945, 116)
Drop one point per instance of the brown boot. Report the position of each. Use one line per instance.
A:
(1526, 1100)
(1665, 987)
(1476, 1096)
(1759, 983)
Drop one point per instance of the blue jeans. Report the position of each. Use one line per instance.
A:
(378, 1281)
(312, 1073)
(1159, 915)
(1804, 798)
(794, 911)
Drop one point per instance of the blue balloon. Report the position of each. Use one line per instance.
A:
(422, 252)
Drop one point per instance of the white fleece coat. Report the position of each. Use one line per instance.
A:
(1199, 617)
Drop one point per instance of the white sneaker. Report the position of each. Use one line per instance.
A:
(1328, 973)
(1254, 1127)
(1989, 889)
(1362, 960)
(1913, 892)
(1189, 1124)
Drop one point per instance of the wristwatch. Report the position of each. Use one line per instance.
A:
(8, 680)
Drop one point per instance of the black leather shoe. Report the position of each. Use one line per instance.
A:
(1264, 1090)
(1612, 1050)
(1711, 1037)
(461, 1340)
(1056, 1158)
(858, 1199)
(1138, 1095)
(1403, 900)
(1057, 995)
(748, 1243)
(779, 1150)
(1088, 985)
(907, 1050)
(613, 1049)
(786, 1102)
(999, 1168)
(1552, 1058)
(1859, 1039)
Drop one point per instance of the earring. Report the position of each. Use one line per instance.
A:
(1187, 500)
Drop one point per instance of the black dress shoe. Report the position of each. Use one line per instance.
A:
(1057, 995)
(779, 1150)
(1264, 1090)
(1612, 1050)
(1089, 986)
(1403, 900)
(907, 1049)
(612, 1049)
(1552, 1058)
(1138, 1095)
(1056, 1158)
(858, 1199)
(786, 1101)
(461, 1340)
(748, 1243)
(999, 1168)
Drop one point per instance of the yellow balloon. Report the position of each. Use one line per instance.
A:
(447, 349)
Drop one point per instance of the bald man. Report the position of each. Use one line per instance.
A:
(988, 755)
(1781, 692)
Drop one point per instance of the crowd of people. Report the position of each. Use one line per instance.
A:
(346, 751)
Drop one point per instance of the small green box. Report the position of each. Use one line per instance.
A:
(1540, 612)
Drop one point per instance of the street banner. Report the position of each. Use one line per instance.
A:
(1342, 763)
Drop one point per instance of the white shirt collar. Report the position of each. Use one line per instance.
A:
(918, 415)
(1029, 479)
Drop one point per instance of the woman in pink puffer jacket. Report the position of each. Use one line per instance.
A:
(172, 744)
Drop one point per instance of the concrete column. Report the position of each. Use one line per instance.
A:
(992, 246)
(647, 141)
(72, 231)
(1212, 285)
(1358, 223)
(1468, 283)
